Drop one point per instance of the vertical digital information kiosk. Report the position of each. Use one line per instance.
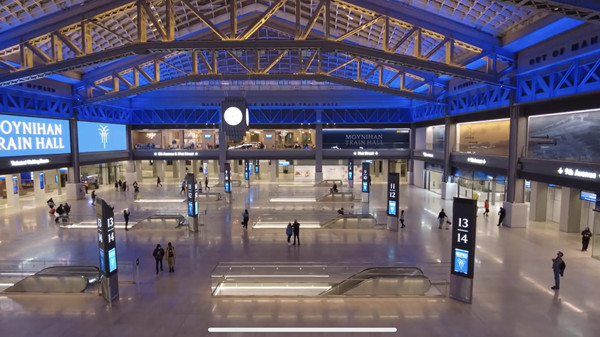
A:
(192, 196)
(351, 173)
(464, 212)
(393, 200)
(108, 250)
(227, 182)
(365, 188)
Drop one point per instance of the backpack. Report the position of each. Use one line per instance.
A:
(170, 252)
(562, 267)
(159, 254)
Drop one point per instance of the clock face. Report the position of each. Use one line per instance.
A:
(233, 116)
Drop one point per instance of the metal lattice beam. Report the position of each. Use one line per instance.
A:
(586, 10)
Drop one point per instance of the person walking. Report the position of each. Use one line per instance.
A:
(116, 186)
(558, 267)
(182, 187)
(289, 232)
(486, 205)
(296, 230)
(586, 234)
(501, 215)
(402, 218)
(158, 182)
(245, 219)
(93, 197)
(206, 184)
(126, 217)
(441, 217)
(171, 257)
(158, 254)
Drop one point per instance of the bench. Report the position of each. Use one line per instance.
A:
(181, 219)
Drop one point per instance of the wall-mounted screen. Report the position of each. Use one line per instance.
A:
(269, 136)
(99, 137)
(29, 136)
(588, 196)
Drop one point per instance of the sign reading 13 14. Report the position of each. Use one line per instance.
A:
(463, 237)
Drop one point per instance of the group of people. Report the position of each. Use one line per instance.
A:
(159, 254)
(61, 212)
(183, 186)
(122, 185)
(293, 228)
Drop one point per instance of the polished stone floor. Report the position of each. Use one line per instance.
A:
(513, 275)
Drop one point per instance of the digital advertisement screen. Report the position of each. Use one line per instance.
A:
(365, 186)
(588, 196)
(112, 260)
(284, 163)
(527, 183)
(257, 167)
(15, 182)
(41, 180)
(207, 136)
(28, 136)
(269, 136)
(461, 261)
(227, 187)
(100, 137)
(227, 176)
(102, 269)
(392, 208)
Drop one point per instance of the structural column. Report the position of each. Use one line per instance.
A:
(318, 149)
(516, 208)
(222, 155)
(74, 186)
(411, 162)
(570, 210)
(130, 175)
(539, 201)
(104, 174)
(12, 198)
(448, 188)
(159, 166)
(274, 170)
(39, 178)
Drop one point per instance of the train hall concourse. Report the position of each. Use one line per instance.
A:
(299, 168)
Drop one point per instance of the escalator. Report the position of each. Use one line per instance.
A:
(383, 281)
(58, 279)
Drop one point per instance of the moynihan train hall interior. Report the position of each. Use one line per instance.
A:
(299, 168)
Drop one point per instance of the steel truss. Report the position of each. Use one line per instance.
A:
(20, 102)
(97, 112)
(568, 8)
(371, 50)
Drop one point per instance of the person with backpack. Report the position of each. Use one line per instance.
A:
(93, 197)
(158, 254)
(296, 230)
(67, 209)
(171, 257)
(558, 267)
(501, 216)
(126, 217)
(288, 232)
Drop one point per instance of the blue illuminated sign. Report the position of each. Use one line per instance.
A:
(461, 261)
(284, 163)
(392, 209)
(527, 183)
(269, 136)
(227, 187)
(207, 136)
(99, 137)
(365, 186)
(102, 261)
(588, 196)
(192, 208)
(28, 136)
(41, 180)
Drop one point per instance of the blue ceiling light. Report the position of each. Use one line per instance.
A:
(547, 32)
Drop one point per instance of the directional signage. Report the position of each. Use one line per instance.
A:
(246, 169)
(192, 194)
(350, 169)
(393, 195)
(227, 176)
(463, 237)
(106, 237)
(365, 177)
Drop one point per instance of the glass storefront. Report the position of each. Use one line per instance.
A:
(481, 186)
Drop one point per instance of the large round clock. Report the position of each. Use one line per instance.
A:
(233, 116)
